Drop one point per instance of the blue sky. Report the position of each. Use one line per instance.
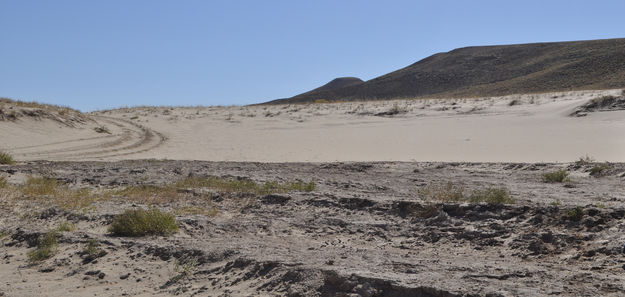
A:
(102, 54)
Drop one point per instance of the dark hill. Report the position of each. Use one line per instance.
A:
(337, 83)
(493, 71)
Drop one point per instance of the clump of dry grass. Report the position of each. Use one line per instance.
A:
(557, 176)
(6, 158)
(3, 182)
(141, 222)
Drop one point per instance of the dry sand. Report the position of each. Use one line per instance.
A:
(537, 128)
(369, 228)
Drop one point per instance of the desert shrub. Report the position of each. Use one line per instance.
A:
(6, 158)
(557, 176)
(600, 169)
(50, 191)
(46, 247)
(492, 196)
(3, 182)
(141, 222)
(575, 214)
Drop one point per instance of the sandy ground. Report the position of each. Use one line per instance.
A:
(373, 227)
(537, 128)
(366, 230)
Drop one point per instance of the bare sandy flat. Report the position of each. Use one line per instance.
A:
(535, 128)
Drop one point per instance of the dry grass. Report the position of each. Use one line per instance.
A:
(46, 248)
(3, 182)
(6, 158)
(450, 192)
(141, 222)
(557, 176)
(33, 104)
(52, 192)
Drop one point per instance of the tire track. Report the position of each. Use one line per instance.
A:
(132, 139)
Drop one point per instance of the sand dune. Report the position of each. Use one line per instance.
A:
(534, 128)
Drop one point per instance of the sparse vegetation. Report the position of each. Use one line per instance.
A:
(45, 249)
(585, 160)
(320, 101)
(557, 176)
(575, 214)
(3, 182)
(51, 191)
(451, 192)
(66, 227)
(492, 196)
(92, 251)
(6, 158)
(600, 169)
(141, 222)
(182, 270)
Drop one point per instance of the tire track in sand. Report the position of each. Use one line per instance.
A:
(132, 138)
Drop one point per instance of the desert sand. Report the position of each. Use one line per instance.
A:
(398, 205)
(536, 128)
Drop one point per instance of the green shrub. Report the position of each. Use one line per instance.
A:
(557, 176)
(45, 248)
(6, 158)
(492, 196)
(140, 222)
(575, 214)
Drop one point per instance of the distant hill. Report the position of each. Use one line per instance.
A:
(492, 71)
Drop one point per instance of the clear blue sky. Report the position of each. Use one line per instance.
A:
(102, 54)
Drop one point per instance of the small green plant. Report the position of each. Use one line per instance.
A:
(556, 202)
(557, 176)
(600, 205)
(45, 248)
(141, 222)
(492, 196)
(575, 214)
(3, 182)
(66, 227)
(600, 169)
(6, 158)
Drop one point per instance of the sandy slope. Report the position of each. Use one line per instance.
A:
(538, 128)
(481, 130)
